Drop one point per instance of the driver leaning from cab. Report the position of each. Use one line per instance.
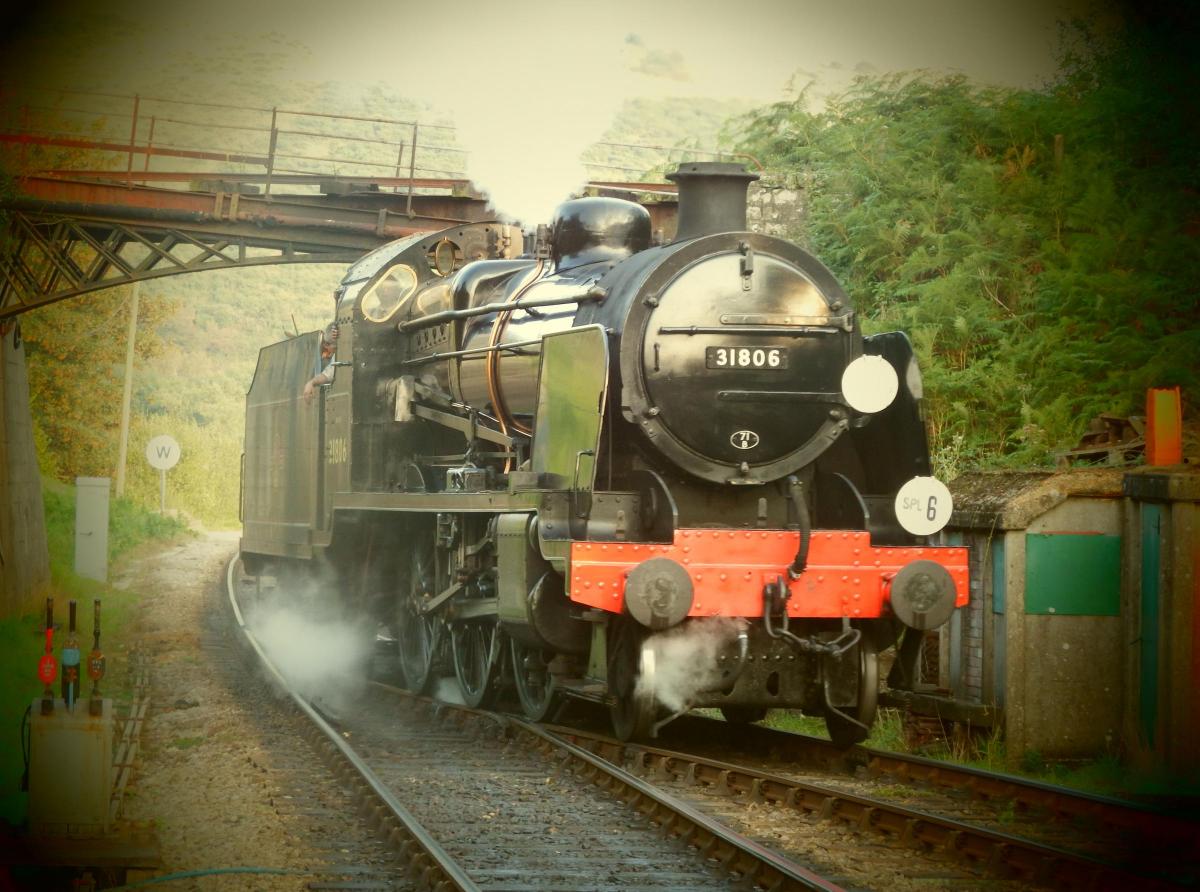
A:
(329, 338)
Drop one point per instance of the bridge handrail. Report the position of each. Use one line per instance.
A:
(152, 135)
(141, 141)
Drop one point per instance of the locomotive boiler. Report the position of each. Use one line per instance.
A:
(660, 476)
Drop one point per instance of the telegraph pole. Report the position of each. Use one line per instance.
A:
(124, 448)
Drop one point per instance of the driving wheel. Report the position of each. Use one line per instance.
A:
(475, 646)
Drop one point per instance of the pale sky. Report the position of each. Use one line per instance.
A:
(530, 84)
(748, 48)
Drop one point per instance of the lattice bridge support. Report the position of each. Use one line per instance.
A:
(50, 258)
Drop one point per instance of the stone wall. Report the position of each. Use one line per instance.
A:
(24, 562)
(775, 206)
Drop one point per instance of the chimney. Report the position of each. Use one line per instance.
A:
(712, 197)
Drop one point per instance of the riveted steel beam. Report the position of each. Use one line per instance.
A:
(50, 258)
(68, 237)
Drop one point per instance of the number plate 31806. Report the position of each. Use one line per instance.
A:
(745, 358)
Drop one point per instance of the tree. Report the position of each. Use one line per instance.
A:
(1037, 244)
(75, 352)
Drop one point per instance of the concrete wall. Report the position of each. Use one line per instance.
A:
(1162, 662)
(1064, 686)
(24, 563)
(1180, 672)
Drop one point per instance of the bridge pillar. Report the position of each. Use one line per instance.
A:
(24, 560)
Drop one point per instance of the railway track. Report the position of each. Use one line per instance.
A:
(1003, 855)
(340, 855)
(1130, 836)
(504, 803)
(475, 801)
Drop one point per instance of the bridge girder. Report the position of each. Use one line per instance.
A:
(70, 238)
(53, 258)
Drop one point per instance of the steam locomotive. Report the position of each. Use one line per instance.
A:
(658, 476)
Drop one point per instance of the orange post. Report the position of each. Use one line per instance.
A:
(1164, 426)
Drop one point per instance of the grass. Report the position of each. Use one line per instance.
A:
(22, 639)
(129, 524)
(1103, 775)
(886, 734)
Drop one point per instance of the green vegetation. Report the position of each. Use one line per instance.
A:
(886, 734)
(1038, 246)
(215, 322)
(129, 525)
(1104, 775)
(22, 640)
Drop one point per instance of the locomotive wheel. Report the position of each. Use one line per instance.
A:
(743, 715)
(631, 681)
(536, 688)
(419, 634)
(842, 732)
(476, 646)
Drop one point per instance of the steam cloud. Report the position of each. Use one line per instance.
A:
(527, 158)
(322, 656)
(685, 659)
(527, 122)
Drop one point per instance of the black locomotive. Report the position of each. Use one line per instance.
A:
(659, 476)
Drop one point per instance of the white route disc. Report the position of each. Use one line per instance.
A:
(924, 505)
(869, 384)
(162, 452)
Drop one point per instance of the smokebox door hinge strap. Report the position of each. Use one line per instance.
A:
(747, 264)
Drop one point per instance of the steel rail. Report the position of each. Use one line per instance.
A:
(1025, 793)
(760, 865)
(425, 855)
(1031, 860)
(763, 866)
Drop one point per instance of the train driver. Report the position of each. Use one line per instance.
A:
(329, 338)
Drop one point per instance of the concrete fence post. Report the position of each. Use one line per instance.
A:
(91, 527)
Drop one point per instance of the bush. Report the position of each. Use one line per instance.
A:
(129, 525)
(1037, 245)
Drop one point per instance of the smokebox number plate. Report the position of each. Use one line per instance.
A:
(745, 357)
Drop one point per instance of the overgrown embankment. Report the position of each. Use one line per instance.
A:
(22, 640)
(1039, 246)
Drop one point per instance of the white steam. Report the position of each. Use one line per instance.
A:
(685, 660)
(446, 690)
(525, 116)
(323, 657)
(525, 150)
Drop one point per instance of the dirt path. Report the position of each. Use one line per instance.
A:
(205, 781)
